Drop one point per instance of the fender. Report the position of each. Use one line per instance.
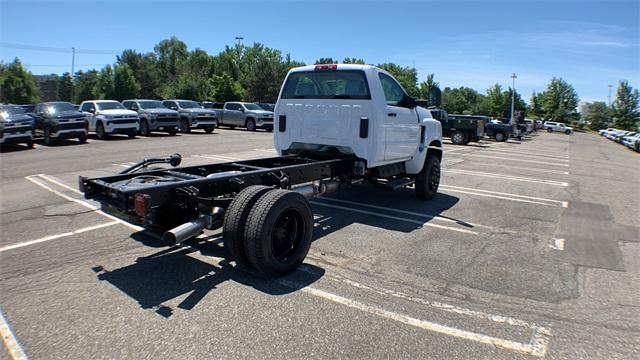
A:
(432, 130)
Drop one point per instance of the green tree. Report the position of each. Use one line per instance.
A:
(17, 85)
(326, 61)
(104, 86)
(145, 69)
(65, 87)
(559, 101)
(353, 61)
(492, 103)
(519, 104)
(406, 76)
(535, 107)
(598, 115)
(86, 83)
(226, 89)
(172, 54)
(625, 111)
(125, 85)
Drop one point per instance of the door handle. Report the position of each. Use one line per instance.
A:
(392, 114)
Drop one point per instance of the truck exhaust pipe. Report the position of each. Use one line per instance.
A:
(186, 231)
(316, 188)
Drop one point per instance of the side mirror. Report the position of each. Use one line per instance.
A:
(93, 111)
(410, 102)
(241, 109)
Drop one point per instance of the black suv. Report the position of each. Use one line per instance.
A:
(59, 120)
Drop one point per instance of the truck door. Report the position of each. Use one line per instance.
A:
(232, 114)
(402, 131)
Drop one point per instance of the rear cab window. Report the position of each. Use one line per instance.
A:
(327, 84)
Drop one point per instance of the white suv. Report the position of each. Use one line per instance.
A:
(110, 117)
(552, 126)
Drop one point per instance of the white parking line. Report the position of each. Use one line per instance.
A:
(59, 183)
(533, 154)
(10, 340)
(548, 171)
(515, 159)
(428, 216)
(271, 151)
(83, 203)
(506, 196)
(508, 177)
(54, 237)
(421, 223)
(218, 157)
(536, 348)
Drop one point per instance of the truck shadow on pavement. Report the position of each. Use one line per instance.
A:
(160, 278)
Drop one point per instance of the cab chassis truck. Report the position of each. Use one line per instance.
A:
(336, 125)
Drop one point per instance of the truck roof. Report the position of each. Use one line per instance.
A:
(338, 67)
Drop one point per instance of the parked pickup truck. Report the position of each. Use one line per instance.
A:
(336, 125)
(108, 117)
(15, 126)
(462, 129)
(59, 120)
(154, 116)
(244, 114)
(193, 115)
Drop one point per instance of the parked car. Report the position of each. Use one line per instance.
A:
(154, 116)
(632, 142)
(16, 126)
(618, 136)
(193, 115)
(267, 106)
(108, 117)
(498, 130)
(244, 114)
(612, 134)
(59, 120)
(604, 132)
(552, 126)
(462, 129)
(531, 127)
(539, 124)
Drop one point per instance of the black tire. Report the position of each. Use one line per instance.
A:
(458, 138)
(185, 128)
(428, 179)
(132, 135)
(568, 132)
(144, 128)
(172, 132)
(500, 136)
(549, 130)
(82, 139)
(100, 133)
(48, 140)
(250, 124)
(30, 144)
(278, 232)
(208, 130)
(235, 220)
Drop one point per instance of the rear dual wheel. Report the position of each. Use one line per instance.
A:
(271, 230)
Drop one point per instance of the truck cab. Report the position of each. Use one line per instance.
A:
(15, 126)
(358, 110)
(154, 116)
(59, 120)
(108, 117)
(193, 115)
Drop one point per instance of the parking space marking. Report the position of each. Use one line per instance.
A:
(421, 223)
(81, 202)
(54, 237)
(271, 151)
(537, 347)
(218, 157)
(535, 154)
(429, 216)
(10, 340)
(506, 196)
(59, 182)
(514, 159)
(548, 171)
(508, 177)
(558, 244)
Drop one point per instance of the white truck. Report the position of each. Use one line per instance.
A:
(335, 125)
(108, 117)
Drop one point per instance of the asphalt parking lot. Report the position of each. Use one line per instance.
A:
(529, 250)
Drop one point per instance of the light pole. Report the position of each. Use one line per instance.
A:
(513, 95)
(239, 40)
(610, 86)
(73, 69)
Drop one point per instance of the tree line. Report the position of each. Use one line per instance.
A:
(256, 72)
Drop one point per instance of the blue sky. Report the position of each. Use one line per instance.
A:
(465, 43)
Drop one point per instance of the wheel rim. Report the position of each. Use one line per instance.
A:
(100, 131)
(499, 136)
(287, 235)
(457, 138)
(434, 178)
(145, 128)
(251, 126)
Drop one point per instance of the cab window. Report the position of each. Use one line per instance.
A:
(393, 93)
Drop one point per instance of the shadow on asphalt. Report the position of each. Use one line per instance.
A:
(156, 279)
(397, 210)
(13, 148)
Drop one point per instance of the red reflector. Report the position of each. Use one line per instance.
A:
(141, 204)
(326, 67)
(81, 180)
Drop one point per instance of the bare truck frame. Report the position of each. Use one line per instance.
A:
(181, 202)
